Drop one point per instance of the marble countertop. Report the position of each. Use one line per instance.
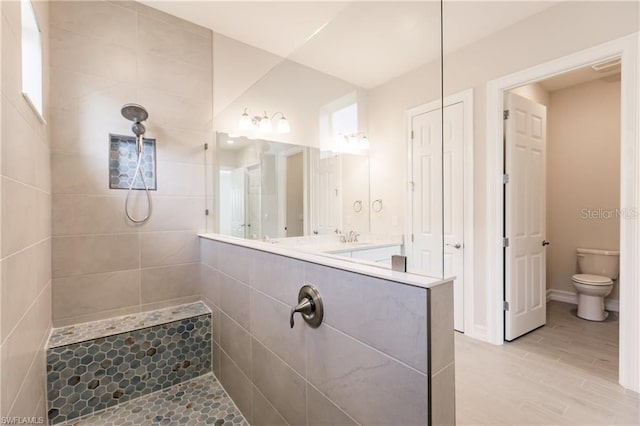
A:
(333, 261)
(347, 247)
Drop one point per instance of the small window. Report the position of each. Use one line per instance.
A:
(344, 122)
(31, 57)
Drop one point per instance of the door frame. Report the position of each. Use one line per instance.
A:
(627, 49)
(466, 98)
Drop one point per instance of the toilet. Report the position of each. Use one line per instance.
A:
(598, 270)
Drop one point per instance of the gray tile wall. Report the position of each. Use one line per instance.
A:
(103, 55)
(442, 362)
(25, 226)
(367, 363)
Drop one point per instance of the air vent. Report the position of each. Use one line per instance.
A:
(607, 66)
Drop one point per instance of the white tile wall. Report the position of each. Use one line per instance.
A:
(25, 226)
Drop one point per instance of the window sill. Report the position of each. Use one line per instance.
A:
(34, 109)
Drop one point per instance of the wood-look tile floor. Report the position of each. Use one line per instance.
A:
(563, 373)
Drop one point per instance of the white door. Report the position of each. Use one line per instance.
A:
(438, 199)
(238, 198)
(453, 208)
(525, 216)
(326, 195)
(426, 238)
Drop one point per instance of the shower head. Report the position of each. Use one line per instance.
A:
(134, 112)
(137, 114)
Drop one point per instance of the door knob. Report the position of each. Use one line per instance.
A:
(545, 243)
(455, 246)
(309, 306)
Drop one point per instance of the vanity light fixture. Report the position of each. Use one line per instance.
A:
(355, 141)
(264, 123)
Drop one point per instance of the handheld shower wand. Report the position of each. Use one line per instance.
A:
(137, 114)
(138, 129)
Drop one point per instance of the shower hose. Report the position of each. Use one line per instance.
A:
(146, 188)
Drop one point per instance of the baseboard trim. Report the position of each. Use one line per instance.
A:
(570, 297)
(477, 332)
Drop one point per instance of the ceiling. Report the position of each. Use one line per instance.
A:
(227, 142)
(579, 76)
(364, 43)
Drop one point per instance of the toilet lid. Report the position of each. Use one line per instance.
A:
(592, 279)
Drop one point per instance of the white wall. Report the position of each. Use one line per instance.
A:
(236, 67)
(297, 91)
(583, 172)
(355, 187)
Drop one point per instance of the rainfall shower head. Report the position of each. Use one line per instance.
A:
(134, 112)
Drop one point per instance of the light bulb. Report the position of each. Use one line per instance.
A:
(364, 143)
(265, 124)
(245, 121)
(283, 125)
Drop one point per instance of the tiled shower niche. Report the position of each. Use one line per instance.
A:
(91, 375)
(123, 158)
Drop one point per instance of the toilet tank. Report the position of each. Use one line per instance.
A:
(601, 262)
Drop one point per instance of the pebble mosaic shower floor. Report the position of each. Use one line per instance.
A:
(200, 401)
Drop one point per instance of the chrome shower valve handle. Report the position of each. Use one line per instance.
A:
(306, 307)
(310, 307)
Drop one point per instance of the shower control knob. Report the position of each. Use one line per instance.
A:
(545, 243)
(309, 306)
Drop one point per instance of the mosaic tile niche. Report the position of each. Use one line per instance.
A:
(92, 375)
(123, 158)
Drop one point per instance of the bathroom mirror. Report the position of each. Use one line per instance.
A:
(273, 190)
(334, 84)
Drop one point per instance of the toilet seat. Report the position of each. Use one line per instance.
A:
(595, 280)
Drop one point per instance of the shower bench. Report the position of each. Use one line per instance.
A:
(97, 365)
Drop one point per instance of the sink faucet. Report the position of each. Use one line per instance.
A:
(350, 237)
(353, 237)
